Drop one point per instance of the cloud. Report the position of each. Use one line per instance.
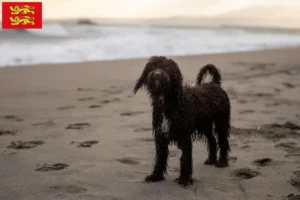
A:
(145, 8)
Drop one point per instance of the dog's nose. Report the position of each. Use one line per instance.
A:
(157, 75)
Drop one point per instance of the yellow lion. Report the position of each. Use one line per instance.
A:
(15, 10)
(23, 20)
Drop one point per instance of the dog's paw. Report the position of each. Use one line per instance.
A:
(154, 178)
(184, 182)
(210, 161)
(222, 164)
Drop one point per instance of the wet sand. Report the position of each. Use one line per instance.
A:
(76, 131)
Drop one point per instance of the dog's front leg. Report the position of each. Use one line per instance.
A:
(186, 162)
(161, 159)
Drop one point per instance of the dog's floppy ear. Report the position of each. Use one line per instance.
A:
(140, 82)
(179, 86)
(151, 63)
(177, 79)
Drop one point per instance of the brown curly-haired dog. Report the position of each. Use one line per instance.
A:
(181, 114)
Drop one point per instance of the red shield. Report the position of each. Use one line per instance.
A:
(22, 15)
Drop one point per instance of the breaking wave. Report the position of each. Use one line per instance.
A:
(66, 42)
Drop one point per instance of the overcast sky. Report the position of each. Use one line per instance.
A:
(145, 8)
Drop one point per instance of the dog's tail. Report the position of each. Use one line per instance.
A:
(213, 71)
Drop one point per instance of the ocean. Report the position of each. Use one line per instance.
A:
(64, 43)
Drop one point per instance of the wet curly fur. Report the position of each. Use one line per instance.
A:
(182, 114)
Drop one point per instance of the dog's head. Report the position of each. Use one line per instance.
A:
(161, 76)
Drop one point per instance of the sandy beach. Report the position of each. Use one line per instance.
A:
(76, 131)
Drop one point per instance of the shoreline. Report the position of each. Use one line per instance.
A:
(144, 58)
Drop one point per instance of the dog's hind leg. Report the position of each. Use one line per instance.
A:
(186, 162)
(161, 159)
(222, 128)
(211, 146)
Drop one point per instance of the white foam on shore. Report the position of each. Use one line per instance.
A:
(92, 43)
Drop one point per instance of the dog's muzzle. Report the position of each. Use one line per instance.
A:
(157, 79)
(157, 75)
